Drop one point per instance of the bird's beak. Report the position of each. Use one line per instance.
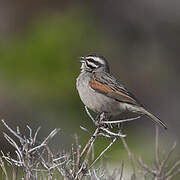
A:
(82, 59)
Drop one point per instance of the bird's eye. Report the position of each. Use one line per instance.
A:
(91, 60)
(91, 65)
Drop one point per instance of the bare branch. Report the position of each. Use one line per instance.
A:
(172, 168)
(112, 133)
(120, 121)
(145, 166)
(13, 132)
(121, 171)
(101, 154)
(84, 129)
(88, 113)
(157, 158)
(50, 136)
(164, 162)
(4, 168)
(130, 154)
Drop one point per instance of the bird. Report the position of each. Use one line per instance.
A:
(101, 92)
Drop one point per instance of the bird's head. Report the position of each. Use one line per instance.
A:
(94, 62)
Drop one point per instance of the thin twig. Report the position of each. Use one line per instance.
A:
(164, 162)
(73, 159)
(89, 144)
(129, 154)
(112, 133)
(173, 168)
(88, 113)
(157, 157)
(84, 129)
(121, 171)
(113, 141)
(13, 143)
(4, 168)
(120, 121)
(51, 135)
(92, 154)
(15, 170)
(173, 174)
(12, 131)
(145, 166)
(35, 135)
(77, 151)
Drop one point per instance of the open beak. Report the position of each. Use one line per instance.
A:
(82, 59)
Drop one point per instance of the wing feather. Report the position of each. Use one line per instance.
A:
(106, 84)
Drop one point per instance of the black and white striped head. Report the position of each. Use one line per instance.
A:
(94, 62)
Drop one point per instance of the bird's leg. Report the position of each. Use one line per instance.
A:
(99, 118)
(110, 125)
(107, 118)
(107, 126)
(103, 117)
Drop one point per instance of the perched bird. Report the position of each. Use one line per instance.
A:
(101, 92)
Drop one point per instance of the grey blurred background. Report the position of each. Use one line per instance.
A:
(40, 42)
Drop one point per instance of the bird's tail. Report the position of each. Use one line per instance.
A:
(154, 118)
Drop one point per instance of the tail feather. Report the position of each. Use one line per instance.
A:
(154, 118)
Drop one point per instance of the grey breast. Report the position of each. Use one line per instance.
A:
(94, 100)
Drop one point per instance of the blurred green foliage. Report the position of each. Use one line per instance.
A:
(42, 62)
